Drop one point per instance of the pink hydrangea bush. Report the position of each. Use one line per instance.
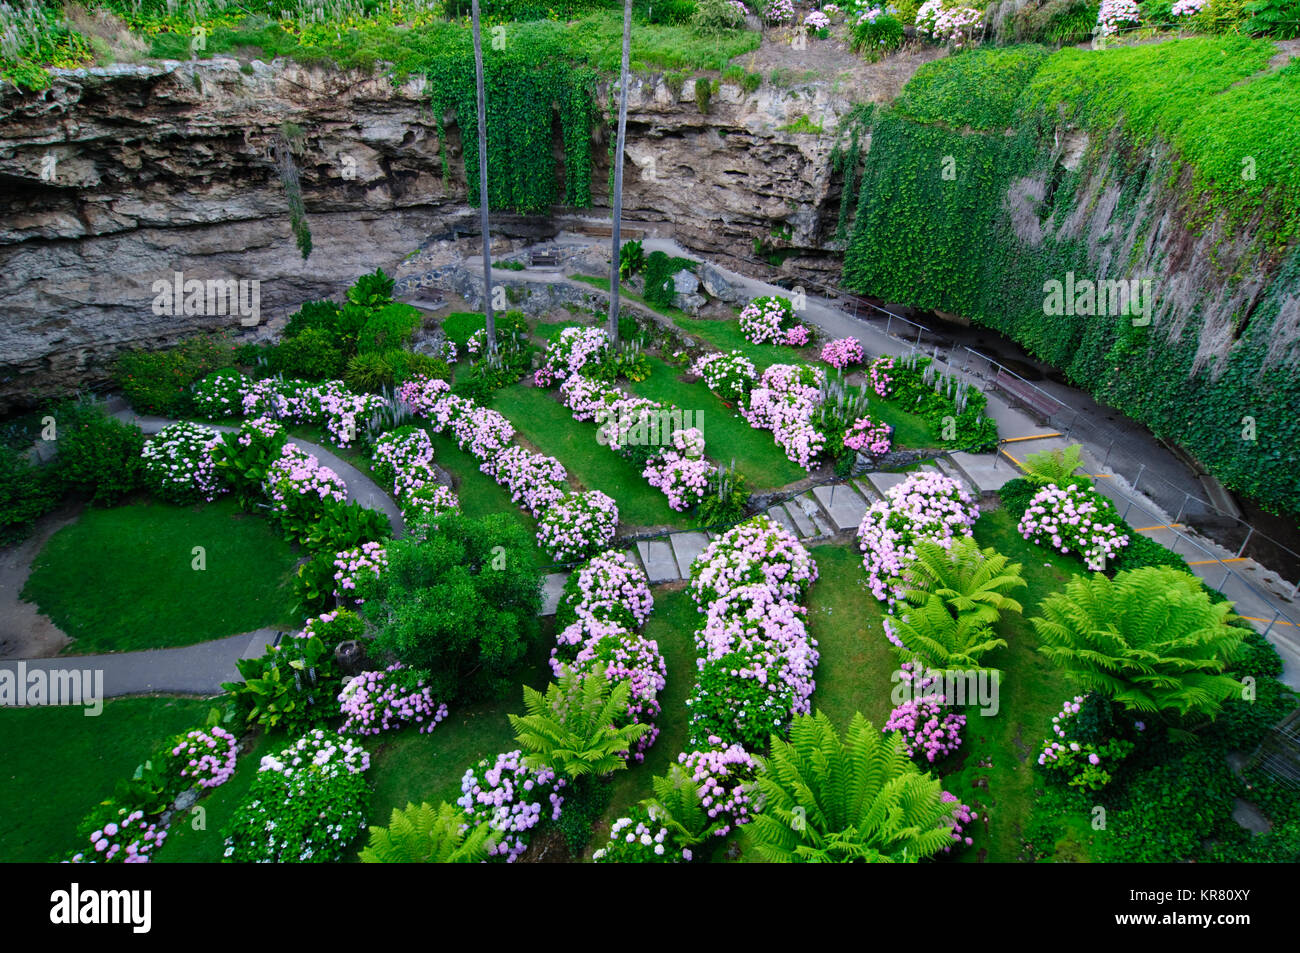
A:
(609, 587)
(684, 480)
(221, 394)
(926, 729)
(431, 397)
(375, 702)
(758, 551)
(779, 11)
(796, 336)
(512, 798)
(297, 484)
(784, 402)
(345, 414)
(207, 756)
(816, 20)
(128, 840)
(1085, 765)
(178, 463)
(842, 352)
(355, 568)
(534, 481)
(332, 628)
(869, 436)
(926, 505)
(725, 777)
(577, 526)
(880, 375)
(404, 458)
(482, 432)
(765, 320)
(321, 752)
(569, 352)
(729, 374)
(1070, 520)
(1115, 15)
(960, 817)
(422, 507)
(1188, 8)
(955, 25)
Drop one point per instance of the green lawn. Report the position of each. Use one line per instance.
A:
(57, 763)
(727, 435)
(910, 431)
(123, 578)
(547, 424)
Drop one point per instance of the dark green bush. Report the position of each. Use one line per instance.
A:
(98, 455)
(27, 492)
(158, 382)
(389, 328)
(313, 355)
(313, 314)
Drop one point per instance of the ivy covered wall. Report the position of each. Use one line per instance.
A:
(996, 172)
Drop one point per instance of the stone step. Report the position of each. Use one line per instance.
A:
(821, 522)
(686, 547)
(803, 524)
(779, 515)
(883, 481)
(842, 503)
(658, 559)
(868, 491)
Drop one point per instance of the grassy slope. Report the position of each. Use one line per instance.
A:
(57, 763)
(121, 579)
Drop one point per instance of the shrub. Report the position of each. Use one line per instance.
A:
(631, 259)
(875, 36)
(375, 702)
(313, 314)
(461, 605)
(1278, 18)
(425, 835)
(510, 797)
(98, 455)
(158, 382)
(179, 463)
(389, 328)
(712, 17)
(244, 458)
(313, 355)
(294, 686)
(27, 492)
(577, 526)
(1074, 520)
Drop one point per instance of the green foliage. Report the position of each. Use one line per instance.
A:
(243, 467)
(970, 581)
(428, 835)
(375, 371)
(1150, 639)
(27, 492)
(936, 639)
(727, 497)
(313, 585)
(389, 328)
(802, 126)
(340, 526)
(158, 382)
(461, 604)
(979, 89)
(735, 709)
(1145, 551)
(704, 90)
(714, 17)
(312, 355)
(876, 39)
(678, 806)
(291, 688)
(571, 729)
(631, 261)
(659, 271)
(1276, 18)
(98, 455)
(1063, 22)
(860, 799)
(1054, 466)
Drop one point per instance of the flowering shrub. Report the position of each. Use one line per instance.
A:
(577, 526)
(730, 375)
(784, 402)
(402, 458)
(431, 397)
(354, 568)
(816, 20)
(568, 352)
(375, 702)
(1081, 765)
(476, 342)
(609, 587)
(481, 432)
(178, 463)
(961, 816)
(208, 756)
(881, 377)
(535, 481)
(926, 730)
(956, 25)
(764, 320)
(831, 10)
(639, 839)
(341, 625)
(869, 436)
(725, 777)
(1188, 8)
(741, 10)
(511, 798)
(1070, 520)
(427, 503)
(684, 480)
(343, 411)
(779, 11)
(1113, 15)
(297, 486)
(267, 398)
(586, 398)
(128, 840)
(842, 352)
(926, 505)
(758, 551)
(796, 336)
(221, 394)
(307, 803)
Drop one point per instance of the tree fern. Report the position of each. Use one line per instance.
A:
(572, 728)
(428, 835)
(677, 805)
(936, 639)
(1054, 466)
(1150, 639)
(858, 800)
(971, 581)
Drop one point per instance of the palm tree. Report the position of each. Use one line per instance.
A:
(428, 835)
(618, 173)
(1149, 639)
(971, 581)
(936, 639)
(483, 185)
(571, 728)
(861, 799)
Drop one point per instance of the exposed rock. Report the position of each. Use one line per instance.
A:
(685, 283)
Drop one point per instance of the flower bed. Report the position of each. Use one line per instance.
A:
(577, 526)
(535, 481)
(1070, 520)
(427, 503)
(569, 352)
(128, 840)
(683, 479)
(375, 702)
(925, 505)
(403, 458)
(725, 777)
(609, 587)
(784, 402)
(842, 352)
(511, 798)
(208, 756)
(179, 465)
(869, 436)
(356, 567)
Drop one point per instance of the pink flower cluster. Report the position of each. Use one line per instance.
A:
(407, 454)
(816, 20)
(361, 564)
(322, 752)
(725, 777)
(1113, 15)
(568, 353)
(763, 320)
(178, 462)
(926, 505)
(758, 551)
(796, 336)
(299, 474)
(869, 436)
(209, 756)
(344, 413)
(263, 427)
(728, 374)
(1069, 520)
(430, 397)
(610, 586)
(926, 730)
(510, 796)
(429, 502)
(221, 394)
(482, 432)
(331, 627)
(842, 352)
(535, 481)
(683, 479)
(375, 702)
(961, 816)
(129, 840)
(784, 402)
(1184, 8)
(578, 525)
(880, 375)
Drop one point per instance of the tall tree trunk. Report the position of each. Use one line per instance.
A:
(483, 186)
(618, 172)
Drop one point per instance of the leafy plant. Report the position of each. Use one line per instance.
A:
(934, 637)
(1054, 466)
(631, 260)
(860, 799)
(428, 835)
(970, 581)
(291, 688)
(311, 355)
(571, 727)
(158, 382)
(98, 455)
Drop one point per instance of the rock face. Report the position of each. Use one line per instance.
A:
(113, 179)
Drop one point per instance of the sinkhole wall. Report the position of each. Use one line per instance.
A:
(1001, 180)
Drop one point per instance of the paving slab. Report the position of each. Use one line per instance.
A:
(686, 547)
(883, 481)
(821, 522)
(868, 491)
(552, 589)
(658, 559)
(803, 525)
(842, 503)
(984, 471)
(779, 514)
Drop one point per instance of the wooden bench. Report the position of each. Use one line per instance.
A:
(549, 258)
(1027, 394)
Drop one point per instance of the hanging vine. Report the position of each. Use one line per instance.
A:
(282, 148)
